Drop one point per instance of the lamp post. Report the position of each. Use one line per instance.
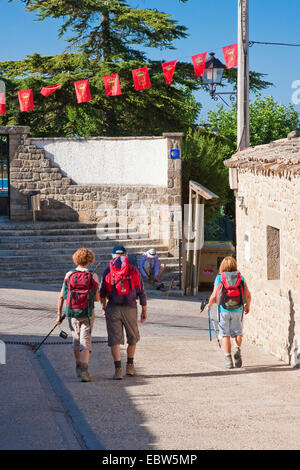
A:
(212, 77)
(243, 138)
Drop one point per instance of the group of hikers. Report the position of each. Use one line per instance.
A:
(118, 290)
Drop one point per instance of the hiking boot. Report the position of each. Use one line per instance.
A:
(237, 357)
(118, 373)
(130, 370)
(228, 361)
(85, 376)
(78, 370)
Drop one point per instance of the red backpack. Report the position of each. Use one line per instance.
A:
(81, 293)
(231, 291)
(124, 279)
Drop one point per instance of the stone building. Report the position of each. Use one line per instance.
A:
(266, 181)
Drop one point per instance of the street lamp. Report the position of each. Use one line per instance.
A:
(212, 77)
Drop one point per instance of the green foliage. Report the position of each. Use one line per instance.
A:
(202, 161)
(269, 121)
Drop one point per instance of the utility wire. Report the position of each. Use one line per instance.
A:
(273, 43)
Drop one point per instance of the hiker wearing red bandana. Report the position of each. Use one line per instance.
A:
(121, 285)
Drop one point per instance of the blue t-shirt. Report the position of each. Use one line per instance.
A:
(222, 309)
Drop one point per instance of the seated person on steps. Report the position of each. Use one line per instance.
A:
(150, 265)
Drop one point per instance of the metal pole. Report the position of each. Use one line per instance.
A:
(243, 138)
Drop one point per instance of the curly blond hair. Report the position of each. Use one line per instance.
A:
(228, 265)
(83, 257)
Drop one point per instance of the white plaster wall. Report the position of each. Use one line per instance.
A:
(103, 161)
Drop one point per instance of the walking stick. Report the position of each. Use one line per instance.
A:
(209, 325)
(217, 337)
(62, 318)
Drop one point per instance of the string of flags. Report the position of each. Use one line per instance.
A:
(141, 80)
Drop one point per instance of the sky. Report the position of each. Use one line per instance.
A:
(211, 25)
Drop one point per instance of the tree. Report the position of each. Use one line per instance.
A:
(110, 29)
(203, 157)
(106, 36)
(269, 121)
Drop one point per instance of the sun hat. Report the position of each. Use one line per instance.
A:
(151, 253)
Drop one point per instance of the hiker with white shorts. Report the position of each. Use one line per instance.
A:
(233, 300)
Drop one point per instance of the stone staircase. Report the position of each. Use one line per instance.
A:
(41, 252)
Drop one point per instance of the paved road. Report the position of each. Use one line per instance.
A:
(182, 397)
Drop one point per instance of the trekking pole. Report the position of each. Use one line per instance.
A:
(217, 337)
(203, 304)
(209, 325)
(56, 324)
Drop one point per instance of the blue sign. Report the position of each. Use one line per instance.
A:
(174, 153)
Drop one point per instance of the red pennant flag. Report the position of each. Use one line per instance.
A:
(48, 90)
(26, 100)
(112, 85)
(83, 93)
(141, 78)
(230, 55)
(2, 103)
(199, 61)
(169, 69)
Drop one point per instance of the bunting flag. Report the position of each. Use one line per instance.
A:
(83, 93)
(141, 78)
(2, 103)
(26, 100)
(230, 56)
(199, 61)
(112, 85)
(169, 69)
(48, 90)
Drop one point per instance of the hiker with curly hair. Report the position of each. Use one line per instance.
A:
(233, 300)
(80, 290)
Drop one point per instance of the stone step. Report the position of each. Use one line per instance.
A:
(66, 254)
(65, 262)
(48, 248)
(48, 244)
(70, 232)
(84, 238)
(20, 226)
(28, 254)
(59, 271)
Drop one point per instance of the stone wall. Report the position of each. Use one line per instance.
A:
(148, 208)
(267, 201)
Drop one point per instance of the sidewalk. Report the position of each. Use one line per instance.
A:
(182, 397)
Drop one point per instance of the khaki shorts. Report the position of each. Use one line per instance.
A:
(119, 317)
(82, 338)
